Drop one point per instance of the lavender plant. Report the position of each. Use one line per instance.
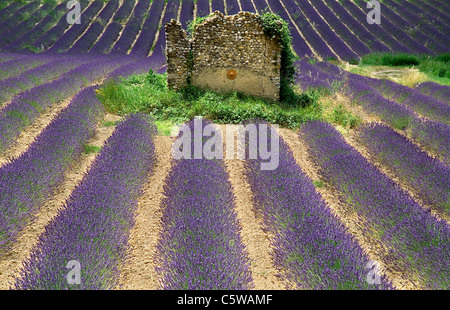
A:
(150, 27)
(47, 39)
(336, 43)
(317, 43)
(27, 181)
(344, 33)
(39, 29)
(29, 104)
(218, 5)
(203, 8)
(14, 67)
(37, 76)
(311, 246)
(104, 44)
(440, 92)
(360, 31)
(66, 40)
(417, 242)
(93, 225)
(200, 246)
(427, 176)
(131, 29)
(433, 136)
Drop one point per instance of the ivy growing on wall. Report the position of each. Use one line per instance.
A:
(274, 25)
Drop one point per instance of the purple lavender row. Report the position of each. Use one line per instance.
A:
(37, 76)
(392, 30)
(9, 10)
(430, 17)
(186, 13)
(375, 29)
(311, 36)
(418, 26)
(424, 23)
(17, 17)
(203, 8)
(440, 92)
(71, 35)
(112, 31)
(5, 56)
(410, 29)
(308, 76)
(94, 224)
(432, 136)
(160, 45)
(218, 5)
(418, 243)
(17, 31)
(149, 29)
(49, 37)
(352, 40)
(137, 66)
(312, 248)
(232, 6)
(298, 43)
(365, 36)
(247, 6)
(328, 34)
(200, 247)
(29, 104)
(27, 181)
(260, 5)
(441, 6)
(95, 29)
(442, 16)
(87, 40)
(19, 65)
(39, 29)
(124, 11)
(106, 41)
(132, 28)
(428, 177)
(422, 104)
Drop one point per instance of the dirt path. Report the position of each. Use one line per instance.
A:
(351, 220)
(12, 261)
(139, 271)
(255, 239)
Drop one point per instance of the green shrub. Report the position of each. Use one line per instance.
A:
(148, 93)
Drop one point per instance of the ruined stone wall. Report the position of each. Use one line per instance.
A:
(229, 53)
(177, 53)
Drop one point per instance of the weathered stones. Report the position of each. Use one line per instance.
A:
(223, 44)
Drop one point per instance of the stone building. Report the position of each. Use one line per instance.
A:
(226, 53)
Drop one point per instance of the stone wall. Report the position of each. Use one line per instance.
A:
(229, 53)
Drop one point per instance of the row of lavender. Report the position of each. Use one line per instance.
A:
(327, 28)
(432, 133)
(200, 246)
(91, 230)
(29, 104)
(27, 181)
(312, 248)
(413, 239)
(36, 76)
(428, 177)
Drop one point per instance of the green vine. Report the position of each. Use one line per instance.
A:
(274, 25)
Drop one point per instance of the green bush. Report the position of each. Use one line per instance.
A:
(148, 93)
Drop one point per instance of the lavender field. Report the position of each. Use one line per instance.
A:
(91, 199)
